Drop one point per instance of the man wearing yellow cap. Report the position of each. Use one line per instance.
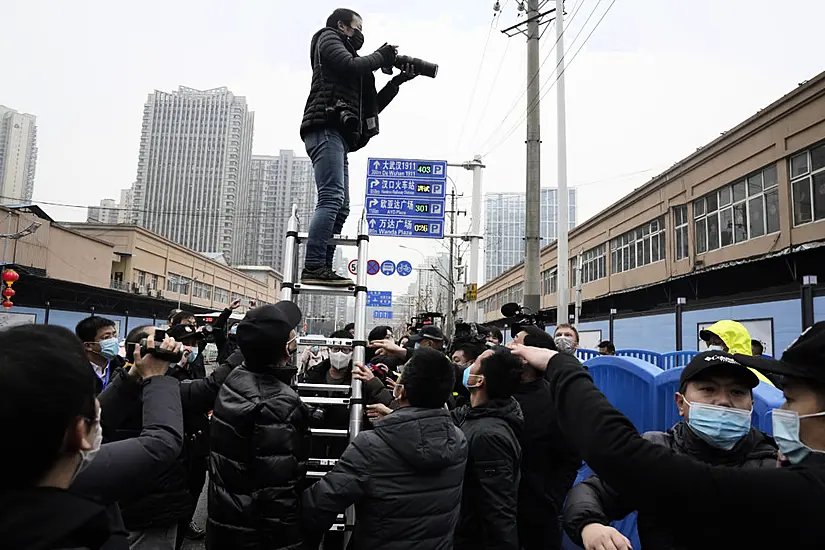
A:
(730, 337)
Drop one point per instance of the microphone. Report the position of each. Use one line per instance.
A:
(510, 310)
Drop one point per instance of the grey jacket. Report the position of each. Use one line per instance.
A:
(404, 478)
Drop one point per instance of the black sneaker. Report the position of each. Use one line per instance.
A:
(323, 276)
(194, 532)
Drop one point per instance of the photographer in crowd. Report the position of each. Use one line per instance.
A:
(60, 484)
(340, 117)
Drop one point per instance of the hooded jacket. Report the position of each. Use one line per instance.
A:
(259, 433)
(490, 501)
(404, 478)
(43, 518)
(716, 504)
(736, 338)
(339, 74)
(593, 501)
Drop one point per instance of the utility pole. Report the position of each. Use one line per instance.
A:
(532, 229)
(531, 28)
(562, 252)
(451, 275)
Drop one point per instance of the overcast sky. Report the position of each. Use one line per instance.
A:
(657, 79)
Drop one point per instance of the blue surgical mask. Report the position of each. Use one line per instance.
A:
(721, 427)
(417, 345)
(193, 354)
(109, 348)
(786, 434)
(466, 379)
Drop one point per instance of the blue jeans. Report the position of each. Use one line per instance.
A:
(328, 152)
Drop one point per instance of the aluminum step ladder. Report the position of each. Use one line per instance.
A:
(352, 396)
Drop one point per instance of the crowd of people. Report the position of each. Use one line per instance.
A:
(478, 450)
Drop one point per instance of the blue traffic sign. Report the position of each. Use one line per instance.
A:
(388, 267)
(407, 227)
(423, 208)
(373, 267)
(407, 168)
(405, 198)
(404, 268)
(397, 188)
(382, 314)
(379, 298)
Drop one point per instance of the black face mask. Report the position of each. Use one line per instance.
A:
(357, 39)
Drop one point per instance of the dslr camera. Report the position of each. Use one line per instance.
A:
(421, 67)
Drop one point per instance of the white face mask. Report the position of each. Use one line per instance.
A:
(86, 457)
(339, 359)
(716, 348)
(565, 344)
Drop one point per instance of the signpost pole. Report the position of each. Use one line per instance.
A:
(475, 231)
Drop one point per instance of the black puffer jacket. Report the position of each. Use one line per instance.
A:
(166, 499)
(405, 479)
(490, 499)
(593, 501)
(339, 74)
(259, 436)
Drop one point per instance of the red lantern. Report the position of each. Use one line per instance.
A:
(7, 304)
(10, 276)
(8, 293)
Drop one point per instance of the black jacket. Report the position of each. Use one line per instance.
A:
(715, 502)
(259, 437)
(548, 465)
(490, 499)
(163, 499)
(593, 501)
(339, 74)
(404, 478)
(44, 518)
(116, 365)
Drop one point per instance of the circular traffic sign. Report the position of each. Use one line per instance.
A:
(404, 268)
(388, 267)
(353, 267)
(373, 267)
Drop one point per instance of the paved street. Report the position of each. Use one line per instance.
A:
(200, 519)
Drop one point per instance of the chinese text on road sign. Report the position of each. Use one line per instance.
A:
(379, 298)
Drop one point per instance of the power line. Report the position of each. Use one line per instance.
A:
(536, 75)
(492, 87)
(538, 101)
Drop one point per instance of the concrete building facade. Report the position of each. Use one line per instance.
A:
(18, 156)
(193, 169)
(111, 211)
(754, 195)
(504, 227)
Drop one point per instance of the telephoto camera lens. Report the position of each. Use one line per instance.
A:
(421, 67)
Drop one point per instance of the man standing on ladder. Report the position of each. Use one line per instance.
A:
(340, 117)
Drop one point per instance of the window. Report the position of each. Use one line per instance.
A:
(807, 186)
(221, 296)
(173, 283)
(549, 282)
(594, 265)
(202, 290)
(637, 248)
(745, 209)
(680, 230)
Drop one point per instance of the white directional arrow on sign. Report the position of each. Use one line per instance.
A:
(372, 224)
(376, 165)
(374, 184)
(372, 203)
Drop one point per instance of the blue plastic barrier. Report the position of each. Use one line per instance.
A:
(765, 399)
(676, 359)
(628, 384)
(585, 354)
(645, 355)
(666, 385)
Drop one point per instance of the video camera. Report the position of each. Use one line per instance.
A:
(165, 355)
(468, 333)
(520, 316)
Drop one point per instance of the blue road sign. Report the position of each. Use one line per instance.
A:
(397, 188)
(379, 298)
(373, 267)
(407, 227)
(422, 208)
(388, 267)
(404, 268)
(405, 198)
(382, 314)
(407, 168)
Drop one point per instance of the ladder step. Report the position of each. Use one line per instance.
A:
(325, 290)
(316, 475)
(325, 400)
(338, 527)
(321, 341)
(329, 432)
(336, 240)
(341, 388)
(322, 461)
